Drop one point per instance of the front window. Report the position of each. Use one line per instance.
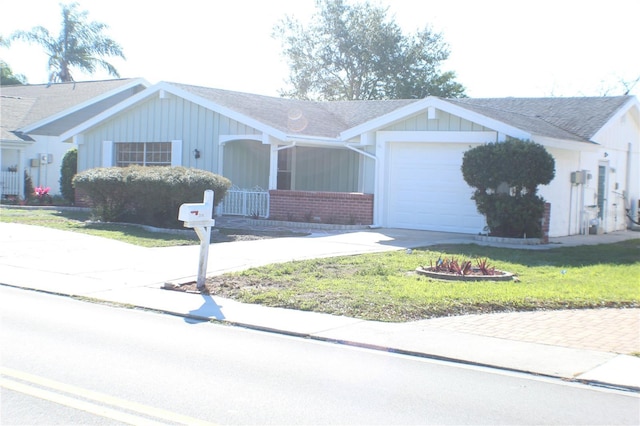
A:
(143, 153)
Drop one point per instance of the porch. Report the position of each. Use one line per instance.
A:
(346, 208)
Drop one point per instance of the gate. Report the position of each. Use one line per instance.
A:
(9, 183)
(245, 202)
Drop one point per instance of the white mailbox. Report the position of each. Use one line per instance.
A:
(198, 214)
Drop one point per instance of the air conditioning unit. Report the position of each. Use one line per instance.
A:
(579, 177)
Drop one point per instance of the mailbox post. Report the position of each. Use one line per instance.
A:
(199, 216)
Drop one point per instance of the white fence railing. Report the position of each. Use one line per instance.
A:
(245, 202)
(9, 183)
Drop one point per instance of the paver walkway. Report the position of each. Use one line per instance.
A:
(608, 330)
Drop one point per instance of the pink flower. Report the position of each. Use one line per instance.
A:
(41, 192)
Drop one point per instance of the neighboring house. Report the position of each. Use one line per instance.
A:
(33, 118)
(389, 163)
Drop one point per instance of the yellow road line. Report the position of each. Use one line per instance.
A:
(76, 403)
(91, 395)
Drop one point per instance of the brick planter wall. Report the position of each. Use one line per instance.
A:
(81, 199)
(546, 223)
(322, 207)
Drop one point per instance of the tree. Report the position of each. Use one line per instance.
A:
(7, 77)
(80, 44)
(506, 176)
(353, 52)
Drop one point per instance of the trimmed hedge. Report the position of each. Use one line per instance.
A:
(506, 176)
(147, 195)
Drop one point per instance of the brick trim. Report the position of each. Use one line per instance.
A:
(348, 208)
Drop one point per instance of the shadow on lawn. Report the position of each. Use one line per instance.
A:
(622, 253)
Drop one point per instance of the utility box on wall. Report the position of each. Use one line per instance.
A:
(42, 160)
(580, 177)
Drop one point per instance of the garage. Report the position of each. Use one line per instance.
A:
(426, 190)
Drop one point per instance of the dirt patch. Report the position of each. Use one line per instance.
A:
(228, 286)
(225, 235)
(231, 286)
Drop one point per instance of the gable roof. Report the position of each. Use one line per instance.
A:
(563, 118)
(577, 118)
(49, 109)
(574, 119)
(298, 117)
(12, 113)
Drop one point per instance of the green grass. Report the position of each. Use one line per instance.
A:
(77, 221)
(384, 286)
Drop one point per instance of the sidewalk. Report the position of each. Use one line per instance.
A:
(586, 345)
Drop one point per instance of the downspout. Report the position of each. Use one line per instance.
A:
(375, 196)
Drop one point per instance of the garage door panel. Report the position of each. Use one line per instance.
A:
(426, 189)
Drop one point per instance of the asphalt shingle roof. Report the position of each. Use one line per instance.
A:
(292, 116)
(564, 118)
(24, 105)
(12, 113)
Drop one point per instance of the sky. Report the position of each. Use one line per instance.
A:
(498, 48)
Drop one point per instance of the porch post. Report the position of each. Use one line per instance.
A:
(273, 166)
(20, 173)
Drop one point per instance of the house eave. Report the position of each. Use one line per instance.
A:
(313, 141)
(7, 143)
(52, 118)
(567, 144)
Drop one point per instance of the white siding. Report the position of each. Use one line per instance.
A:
(620, 140)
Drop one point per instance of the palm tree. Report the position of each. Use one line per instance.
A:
(80, 44)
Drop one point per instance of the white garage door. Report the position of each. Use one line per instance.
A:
(426, 189)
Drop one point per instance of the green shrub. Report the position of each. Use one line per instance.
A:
(29, 191)
(157, 192)
(506, 176)
(104, 187)
(147, 195)
(68, 170)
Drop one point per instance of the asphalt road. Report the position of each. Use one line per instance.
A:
(66, 361)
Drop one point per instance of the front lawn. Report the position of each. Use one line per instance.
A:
(384, 286)
(79, 221)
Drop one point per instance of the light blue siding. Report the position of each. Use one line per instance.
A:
(321, 169)
(444, 122)
(164, 120)
(246, 164)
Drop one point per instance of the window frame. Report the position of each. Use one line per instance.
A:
(109, 154)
